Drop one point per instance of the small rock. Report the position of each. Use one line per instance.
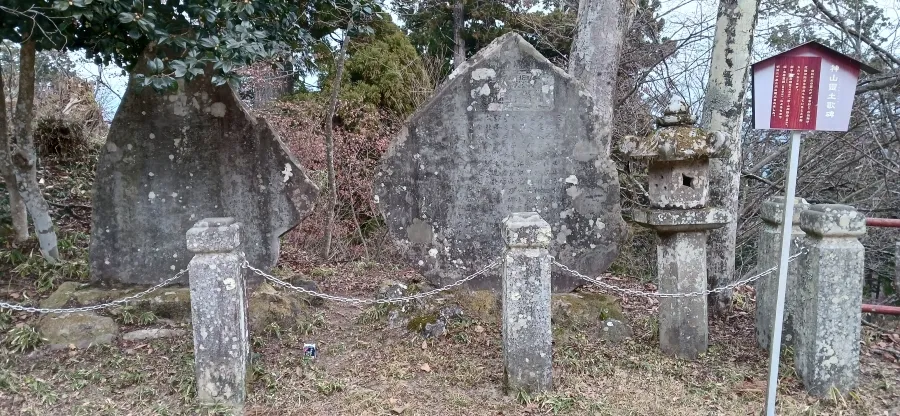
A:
(396, 320)
(448, 313)
(614, 331)
(155, 333)
(61, 296)
(391, 289)
(172, 303)
(267, 305)
(581, 311)
(435, 330)
(481, 305)
(95, 295)
(166, 322)
(78, 329)
(311, 286)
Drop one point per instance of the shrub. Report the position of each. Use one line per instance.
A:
(23, 338)
(58, 137)
(383, 71)
(361, 136)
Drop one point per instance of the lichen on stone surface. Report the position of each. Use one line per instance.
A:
(677, 139)
(78, 329)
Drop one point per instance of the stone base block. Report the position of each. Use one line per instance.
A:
(671, 221)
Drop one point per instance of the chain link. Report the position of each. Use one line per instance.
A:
(22, 308)
(634, 292)
(360, 302)
(357, 301)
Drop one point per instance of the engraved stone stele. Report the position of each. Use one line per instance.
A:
(172, 158)
(508, 132)
(678, 155)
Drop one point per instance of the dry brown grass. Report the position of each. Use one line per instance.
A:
(366, 369)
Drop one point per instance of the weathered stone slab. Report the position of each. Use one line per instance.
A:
(174, 158)
(152, 333)
(615, 331)
(508, 132)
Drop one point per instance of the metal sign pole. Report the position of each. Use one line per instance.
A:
(786, 224)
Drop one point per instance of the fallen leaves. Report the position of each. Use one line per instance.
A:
(751, 386)
(396, 407)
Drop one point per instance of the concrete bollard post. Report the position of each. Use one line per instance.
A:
(827, 327)
(218, 313)
(769, 249)
(527, 336)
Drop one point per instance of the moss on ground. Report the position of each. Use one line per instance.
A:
(417, 323)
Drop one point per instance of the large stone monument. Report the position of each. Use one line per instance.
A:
(678, 156)
(508, 132)
(173, 158)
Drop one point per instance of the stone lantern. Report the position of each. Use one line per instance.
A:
(678, 155)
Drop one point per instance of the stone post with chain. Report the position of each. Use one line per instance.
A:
(769, 249)
(527, 336)
(218, 313)
(827, 327)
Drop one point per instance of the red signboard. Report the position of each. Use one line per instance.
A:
(795, 92)
(810, 87)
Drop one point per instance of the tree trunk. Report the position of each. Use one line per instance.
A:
(17, 208)
(723, 110)
(459, 46)
(594, 60)
(24, 157)
(329, 138)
